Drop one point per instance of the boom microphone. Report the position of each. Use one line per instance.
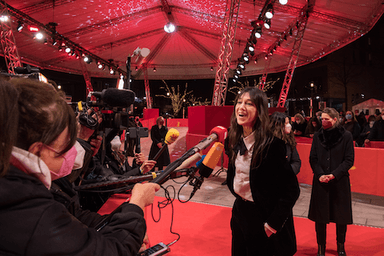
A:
(189, 161)
(170, 137)
(116, 97)
(217, 133)
(211, 159)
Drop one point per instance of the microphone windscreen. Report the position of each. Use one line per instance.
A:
(221, 133)
(118, 97)
(211, 159)
(171, 136)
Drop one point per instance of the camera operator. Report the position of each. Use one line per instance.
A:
(31, 220)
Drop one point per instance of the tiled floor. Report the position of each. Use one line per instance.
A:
(367, 210)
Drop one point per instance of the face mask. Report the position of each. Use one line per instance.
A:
(326, 124)
(349, 117)
(288, 128)
(67, 165)
(371, 123)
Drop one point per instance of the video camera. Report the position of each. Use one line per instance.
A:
(113, 104)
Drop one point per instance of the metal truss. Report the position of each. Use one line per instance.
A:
(86, 77)
(265, 73)
(8, 43)
(147, 90)
(225, 55)
(302, 24)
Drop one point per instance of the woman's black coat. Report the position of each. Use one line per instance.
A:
(274, 186)
(331, 202)
(158, 136)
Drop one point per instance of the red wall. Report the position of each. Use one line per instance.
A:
(202, 119)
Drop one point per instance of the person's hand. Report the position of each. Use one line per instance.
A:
(95, 144)
(148, 165)
(366, 141)
(143, 194)
(139, 158)
(311, 135)
(326, 178)
(160, 145)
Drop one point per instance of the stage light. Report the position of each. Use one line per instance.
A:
(283, 2)
(238, 71)
(267, 24)
(211, 68)
(255, 61)
(67, 50)
(290, 32)
(20, 26)
(266, 57)
(154, 70)
(169, 27)
(136, 68)
(4, 18)
(87, 59)
(39, 36)
(236, 76)
(111, 71)
(269, 12)
(241, 65)
(33, 28)
(258, 32)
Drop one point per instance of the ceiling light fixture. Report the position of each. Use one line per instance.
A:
(283, 2)
(169, 27)
(267, 24)
(20, 26)
(269, 12)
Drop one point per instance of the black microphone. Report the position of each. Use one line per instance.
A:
(211, 159)
(116, 97)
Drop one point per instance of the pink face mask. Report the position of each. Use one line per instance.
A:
(67, 165)
(326, 124)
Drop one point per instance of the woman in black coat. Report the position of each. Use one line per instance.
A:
(158, 132)
(332, 155)
(261, 179)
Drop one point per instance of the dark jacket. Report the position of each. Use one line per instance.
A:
(274, 186)
(33, 223)
(158, 136)
(354, 128)
(377, 132)
(333, 152)
(293, 158)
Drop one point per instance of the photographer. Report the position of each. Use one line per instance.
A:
(31, 221)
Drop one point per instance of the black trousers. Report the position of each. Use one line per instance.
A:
(321, 233)
(248, 235)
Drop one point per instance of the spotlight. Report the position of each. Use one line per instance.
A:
(39, 36)
(169, 27)
(136, 68)
(255, 61)
(258, 32)
(211, 68)
(236, 76)
(283, 2)
(267, 24)
(266, 57)
(238, 71)
(111, 71)
(20, 26)
(33, 28)
(100, 65)
(4, 18)
(269, 12)
(67, 50)
(245, 57)
(234, 80)
(87, 59)
(154, 70)
(241, 65)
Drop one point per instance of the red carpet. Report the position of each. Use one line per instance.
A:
(204, 230)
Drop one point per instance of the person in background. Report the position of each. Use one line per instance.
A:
(158, 132)
(331, 157)
(282, 129)
(137, 121)
(366, 130)
(377, 132)
(362, 120)
(351, 125)
(42, 152)
(299, 125)
(313, 126)
(261, 179)
(318, 115)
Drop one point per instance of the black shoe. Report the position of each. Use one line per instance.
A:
(321, 250)
(340, 249)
